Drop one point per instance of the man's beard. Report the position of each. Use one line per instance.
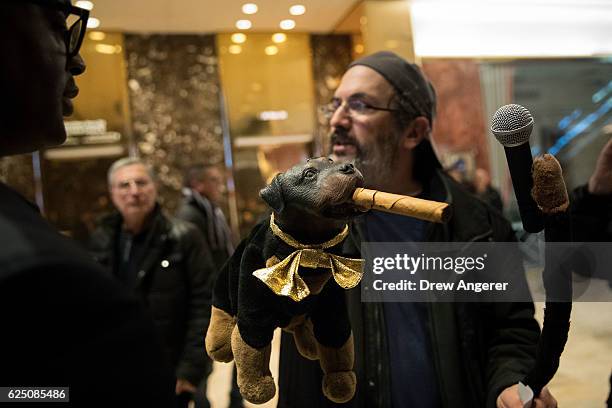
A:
(375, 161)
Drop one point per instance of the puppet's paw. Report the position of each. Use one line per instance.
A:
(219, 335)
(305, 340)
(258, 390)
(339, 387)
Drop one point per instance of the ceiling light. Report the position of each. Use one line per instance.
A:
(93, 22)
(287, 24)
(271, 50)
(279, 38)
(243, 24)
(249, 8)
(297, 10)
(97, 36)
(235, 49)
(239, 38)
(87, 5)
(359, 48)
(108, 49)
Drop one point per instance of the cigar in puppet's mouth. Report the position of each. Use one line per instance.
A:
(427, 210)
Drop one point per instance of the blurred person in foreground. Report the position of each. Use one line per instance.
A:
(202, 193)
(65, 323)
(163, 261)
(425, 355)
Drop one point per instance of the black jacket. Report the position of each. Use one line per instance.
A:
(66, 323)
(479, 349)
(189, 211)
(174, 282)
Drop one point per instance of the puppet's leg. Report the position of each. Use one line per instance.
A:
(303, 335)
(219, 336)
(253, 367)
(335, 345)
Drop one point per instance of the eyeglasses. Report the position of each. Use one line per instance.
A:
(126, 185)
(76, 33)
(353, 106)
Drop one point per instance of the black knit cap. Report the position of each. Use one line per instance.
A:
(406, 78)
(409, 82)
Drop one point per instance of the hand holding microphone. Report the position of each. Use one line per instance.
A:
(543, 201)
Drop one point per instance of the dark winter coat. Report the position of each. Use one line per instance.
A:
(478, 349)
(174, 283)
(65, 322)
(190, 212)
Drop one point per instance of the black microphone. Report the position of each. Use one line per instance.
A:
(511, 125)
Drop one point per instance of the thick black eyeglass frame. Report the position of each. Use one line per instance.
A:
(330, 109)
(68, 9)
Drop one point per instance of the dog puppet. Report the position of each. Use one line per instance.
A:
(289, 273)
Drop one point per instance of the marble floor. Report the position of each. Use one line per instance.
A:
(581, 382)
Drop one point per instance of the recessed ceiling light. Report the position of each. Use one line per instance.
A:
(271, 50)
(87, 5)
(93, 22)
(235, 49)
(287, 24)
(279, 38)
(239, 38)
(97, 36)
(243, 24)
(249, 8)
(297, 10)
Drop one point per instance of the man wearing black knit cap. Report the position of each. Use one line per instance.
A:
(422, 355)
(64, 322)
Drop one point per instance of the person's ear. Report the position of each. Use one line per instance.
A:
(273, 194)
(415, 133)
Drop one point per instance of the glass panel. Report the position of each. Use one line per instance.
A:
(267, 80)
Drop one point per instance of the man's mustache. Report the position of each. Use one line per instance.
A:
(341, 136)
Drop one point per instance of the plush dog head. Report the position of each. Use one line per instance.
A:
(319, 187)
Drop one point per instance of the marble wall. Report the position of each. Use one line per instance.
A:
(18, 173)
(460, 125)
(173, 85)
(76, 194)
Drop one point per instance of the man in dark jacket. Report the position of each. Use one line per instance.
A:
(422, 355)
(164, 262)
(65, 323)
(592, 213)
(203, 191)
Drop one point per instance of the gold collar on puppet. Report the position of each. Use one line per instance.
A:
(283, 277)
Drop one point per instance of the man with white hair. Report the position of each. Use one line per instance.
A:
(164, 262)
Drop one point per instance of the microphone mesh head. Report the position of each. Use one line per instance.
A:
(511, 125)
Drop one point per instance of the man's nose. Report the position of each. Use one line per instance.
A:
(340, 118)
(133, 188)
(76, 65)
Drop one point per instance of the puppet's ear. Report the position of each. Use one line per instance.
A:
(273, 194)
